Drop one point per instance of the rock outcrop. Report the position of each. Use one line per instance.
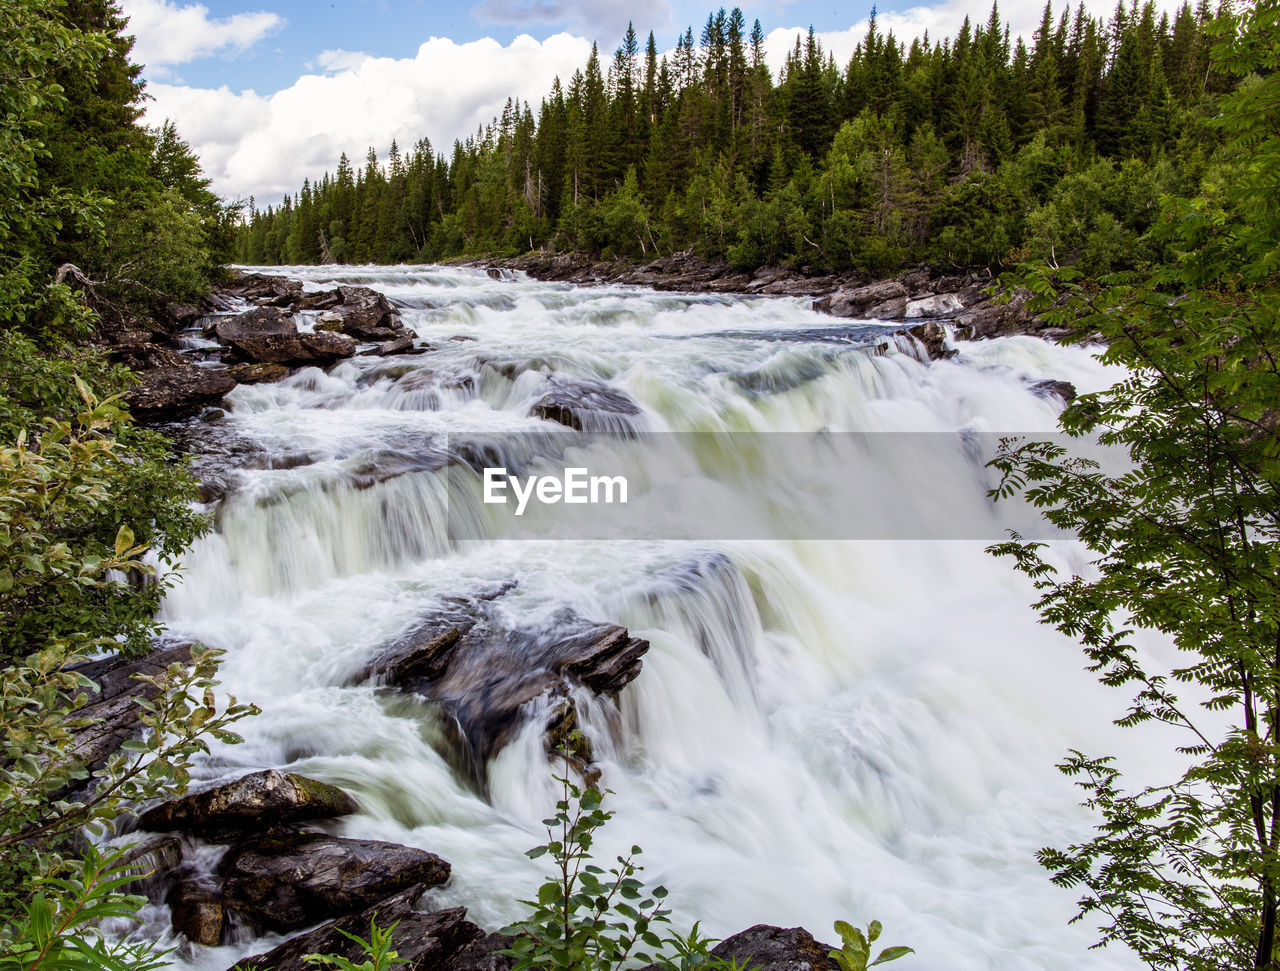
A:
(269, 335)
(768, 948)
(586, 406)
(423, 940)
(113, 714)
(177, 390)
(485, 674)
(262, 800)
(287, 882)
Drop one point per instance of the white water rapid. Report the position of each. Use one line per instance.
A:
(823, 729)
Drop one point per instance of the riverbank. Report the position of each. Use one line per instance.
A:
(260, 327)
(965, 300)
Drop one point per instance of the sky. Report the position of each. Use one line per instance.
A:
(269, 92)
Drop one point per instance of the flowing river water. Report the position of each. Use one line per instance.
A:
(843, 728)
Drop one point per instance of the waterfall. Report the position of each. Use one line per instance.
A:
(827, 725)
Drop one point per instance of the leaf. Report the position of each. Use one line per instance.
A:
(124, 540)
(891, 954)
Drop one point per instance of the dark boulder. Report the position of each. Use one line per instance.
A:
(483, 954)
(149, 861)
(423, 940)
(173, 392)
(1055, 389)
(895, 309)
(401, 345)
(365, 314)
(245, 373)
(259, 322)
(265, 289)
(586, 406)
(259, 801)
(196, 910)
(113, 714)
(934, 338)
(855, 302)
(290, 881)
(484, 673)
(269, 335)
(767, 948)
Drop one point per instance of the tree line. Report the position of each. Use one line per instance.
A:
(976, 149)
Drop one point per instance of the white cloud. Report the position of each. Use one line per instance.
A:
(338, 60)
(265, 145)
(602, 20)
(169, 34)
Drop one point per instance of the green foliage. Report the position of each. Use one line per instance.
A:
(89, 495)
(855, 947)
(55, 930)
(1186, 543)
(378, 953)
(584, 917)
(50, 789)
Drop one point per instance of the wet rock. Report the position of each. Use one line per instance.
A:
(196, 911)
(483, 954)
(259, 322)
(854, 302)
(767, 948)
(146, 356)
(175, 316)
(358, 312)
(264, 289)
(268, 335)
(150, 860)
(401, 345)
(1056, 389)
(940, 305)
(172, 392)
(424, 941)
(245, 373)
(112, 714)
(484, 674)
(934, 338)
(993, 319)
(585, 405)
(894, 309)
(262, 800)
(290, 881)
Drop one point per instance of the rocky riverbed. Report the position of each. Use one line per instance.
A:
(414, 678)
(260, 328)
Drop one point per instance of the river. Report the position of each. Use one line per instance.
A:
(855, 727)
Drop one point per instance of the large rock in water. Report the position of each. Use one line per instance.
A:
(586, 405)
(767, 948)
(173, 392)
(467, 658)
(286, 882)
(363, 313)
(269, 335)
(258, 801)
(423, 940)
(265, 288)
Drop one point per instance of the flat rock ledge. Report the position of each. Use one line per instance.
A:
(287, 882)
(267, 799)
(423, 940)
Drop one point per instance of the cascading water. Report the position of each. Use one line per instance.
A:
(823, 729)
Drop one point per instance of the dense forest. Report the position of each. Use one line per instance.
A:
(964, 151)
